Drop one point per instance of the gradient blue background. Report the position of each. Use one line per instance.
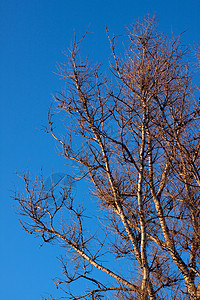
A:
(33, 36)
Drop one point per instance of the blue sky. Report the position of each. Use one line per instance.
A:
(34, 34)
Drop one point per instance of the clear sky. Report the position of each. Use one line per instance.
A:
(34, 34)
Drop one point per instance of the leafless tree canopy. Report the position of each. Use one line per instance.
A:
(136, 138)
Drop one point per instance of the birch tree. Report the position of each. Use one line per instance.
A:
(135, 139)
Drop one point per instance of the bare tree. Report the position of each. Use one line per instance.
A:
(135, 137)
